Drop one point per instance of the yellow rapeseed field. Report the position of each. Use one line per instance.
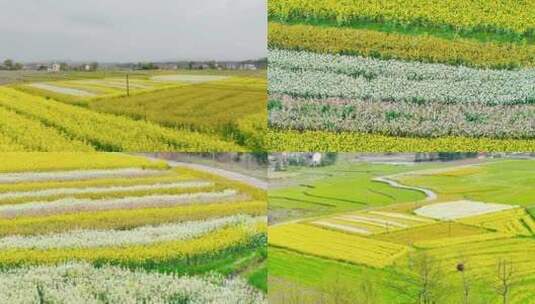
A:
(335, 245)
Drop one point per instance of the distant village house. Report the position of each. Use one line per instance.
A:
(55, 67)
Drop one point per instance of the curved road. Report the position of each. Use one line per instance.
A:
(430, 195)
(255, 182)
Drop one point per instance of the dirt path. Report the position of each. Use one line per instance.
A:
(430, 195)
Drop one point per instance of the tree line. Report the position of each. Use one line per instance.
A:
(10, 65)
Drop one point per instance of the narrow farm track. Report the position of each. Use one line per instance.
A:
(431, 196)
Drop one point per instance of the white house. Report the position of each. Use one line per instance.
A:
(55, 67)
(316, 159)
(248, 66)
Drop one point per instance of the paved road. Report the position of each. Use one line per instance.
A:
(430, 194)
(222, 172)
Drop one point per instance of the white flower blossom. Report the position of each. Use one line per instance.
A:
(73, 205)
(81, 283)
(405, 118)
(109, 189)
(311, 75)
(140, 235)
(11, 178)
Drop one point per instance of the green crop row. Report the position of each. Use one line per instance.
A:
(425, 48)
(466, 16)
(351, 142)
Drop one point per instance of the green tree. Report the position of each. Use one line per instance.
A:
(93, 66)
(8, 64)
(428, 278)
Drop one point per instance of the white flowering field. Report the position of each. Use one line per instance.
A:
(375, 76)
(311, 91)
(83, 283)
(113, 228)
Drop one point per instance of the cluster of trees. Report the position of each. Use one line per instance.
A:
(190, 65)
(93, 66)
(10, 65)
(145, 66)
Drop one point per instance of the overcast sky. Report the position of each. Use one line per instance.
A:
(132, 30)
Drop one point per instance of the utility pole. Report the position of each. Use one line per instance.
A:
(127, 86)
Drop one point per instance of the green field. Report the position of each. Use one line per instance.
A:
(324, 265)
(507, 182)
(75, 111)
(343, 187)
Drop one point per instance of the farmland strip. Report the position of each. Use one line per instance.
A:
(335, 245)
(34, 136)
(381, 45)
(188, 78)
(112, 133)
(515, 221)
(445, 242)
(169, 177)
(11, 178)
(164, 251)
(371, 221)
(309, 75)
(513, 18)
(341, 227)
(64, 206)
(79, 282)
(137, 236)
(111, 189)
(432, 119)
(61, 90)
(127, 219)
(323, 141)
(402, 216)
